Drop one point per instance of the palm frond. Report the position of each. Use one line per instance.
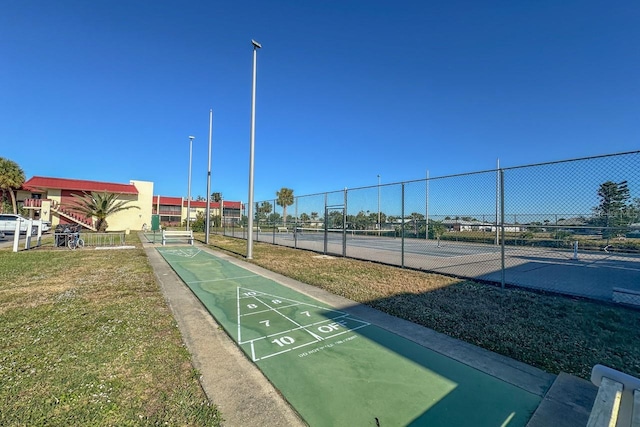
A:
(99, 206)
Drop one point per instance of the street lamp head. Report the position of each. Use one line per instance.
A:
(256, 44)
(192, 137)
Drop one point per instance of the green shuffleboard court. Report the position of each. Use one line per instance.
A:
(338, 370)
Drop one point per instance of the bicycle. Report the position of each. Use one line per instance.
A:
(74, 241)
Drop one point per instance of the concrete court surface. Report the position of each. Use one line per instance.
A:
(594, 274)
(514, 377)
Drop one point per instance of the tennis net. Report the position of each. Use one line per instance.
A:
(338, 232)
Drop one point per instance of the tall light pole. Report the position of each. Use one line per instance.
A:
(191, 138)
(208, 210)
(379, 203)
(256, 46)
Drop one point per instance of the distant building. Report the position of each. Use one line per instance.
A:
(50, 199)
(461, 225)
(173, 210)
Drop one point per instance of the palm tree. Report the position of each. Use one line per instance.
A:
(100, 206)
(11, 178)
(285, 198)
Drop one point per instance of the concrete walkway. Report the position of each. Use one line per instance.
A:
(241, 392)
(246, 397)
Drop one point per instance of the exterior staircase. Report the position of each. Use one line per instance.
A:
(71, 216)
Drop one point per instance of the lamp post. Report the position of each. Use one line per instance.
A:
(256, 46)
(208, 210)
(191, 138)
(379, 203)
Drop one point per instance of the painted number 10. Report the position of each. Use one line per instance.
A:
(282, 341)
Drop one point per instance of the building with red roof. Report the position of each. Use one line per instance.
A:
(40, 184)
(52, 199)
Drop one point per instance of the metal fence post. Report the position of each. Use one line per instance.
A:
(344, 225)
(295, 227)
(426, 222)
(497, 241)
(274, 221)
(402, 228)
(326, 225)
(502, 268)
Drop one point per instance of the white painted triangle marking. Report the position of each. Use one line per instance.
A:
(246, 293)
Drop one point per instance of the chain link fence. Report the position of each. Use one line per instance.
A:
(569, 227)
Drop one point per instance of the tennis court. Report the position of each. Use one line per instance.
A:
(389, 240)
(337, 369)
(587, 273)
(309, 238)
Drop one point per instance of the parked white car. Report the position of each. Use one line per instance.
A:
(8, 224)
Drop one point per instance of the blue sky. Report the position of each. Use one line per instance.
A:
(347, 90)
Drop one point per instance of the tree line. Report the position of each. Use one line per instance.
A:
(614, 214)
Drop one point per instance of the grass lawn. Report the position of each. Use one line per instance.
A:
(86, 338)
(550, 332)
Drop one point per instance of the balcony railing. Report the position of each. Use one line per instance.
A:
(32, 203)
